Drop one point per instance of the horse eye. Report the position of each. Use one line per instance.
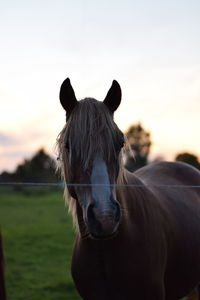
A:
(122, 142)
(67, 146)
(121, 145)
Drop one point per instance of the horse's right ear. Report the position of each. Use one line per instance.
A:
(67, 96)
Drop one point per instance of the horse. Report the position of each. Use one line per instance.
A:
(137, 234)
(2, 278)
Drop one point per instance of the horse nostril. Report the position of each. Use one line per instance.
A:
(91, 218)
(118, 212)
(92, 221)
(90, 212)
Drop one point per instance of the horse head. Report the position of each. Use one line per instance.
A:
(90, 149)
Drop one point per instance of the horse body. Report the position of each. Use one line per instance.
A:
(139, 263)
(180, 208)
(138, 240)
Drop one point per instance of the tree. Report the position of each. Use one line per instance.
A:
(40, 168)
(6, 176)
(140, 143)
(188, 158)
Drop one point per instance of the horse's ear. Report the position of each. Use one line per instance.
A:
(67, 96)
(113, 97)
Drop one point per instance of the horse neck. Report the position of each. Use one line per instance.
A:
(127, 178)
(134, 196)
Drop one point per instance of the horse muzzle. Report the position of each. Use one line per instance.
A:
(103, 223)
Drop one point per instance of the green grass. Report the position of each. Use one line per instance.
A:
(38, 239)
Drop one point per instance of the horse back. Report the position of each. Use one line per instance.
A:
(175, 187)
(169, 173)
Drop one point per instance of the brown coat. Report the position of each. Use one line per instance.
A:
(156, 253)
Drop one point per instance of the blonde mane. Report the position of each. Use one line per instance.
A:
(89, 130)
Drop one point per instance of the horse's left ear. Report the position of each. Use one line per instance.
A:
(113, 97)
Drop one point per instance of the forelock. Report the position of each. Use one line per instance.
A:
(89, 131)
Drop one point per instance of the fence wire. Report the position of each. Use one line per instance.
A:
(62, 184)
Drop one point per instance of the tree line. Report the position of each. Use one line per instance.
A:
(140, 144)
(42, 167)
(39, 168)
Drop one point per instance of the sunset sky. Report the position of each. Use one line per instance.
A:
(152, 48)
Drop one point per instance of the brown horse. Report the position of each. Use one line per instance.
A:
(2, 279)
(138, 234)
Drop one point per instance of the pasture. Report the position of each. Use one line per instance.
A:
(38, 240)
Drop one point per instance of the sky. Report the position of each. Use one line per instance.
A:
(152, 48)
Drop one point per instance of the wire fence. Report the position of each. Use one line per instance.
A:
(61, 184)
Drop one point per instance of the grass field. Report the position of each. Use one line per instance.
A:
(38, 240)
